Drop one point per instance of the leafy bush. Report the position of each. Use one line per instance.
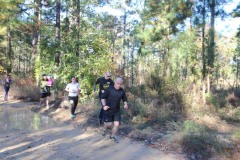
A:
(191, 127)
(25, 89)
(217, 99)
(237, 134)
(199, 141)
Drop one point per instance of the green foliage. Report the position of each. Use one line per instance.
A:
(217, 99)
(191, 127)
(198, 140)
(185, 59)
(237, 114)
(2, 70)
(237, 134)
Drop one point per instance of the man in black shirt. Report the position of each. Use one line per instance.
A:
(104, 83)
(111, 104)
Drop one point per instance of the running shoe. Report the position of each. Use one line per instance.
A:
(104, 132)
(114, 139)
(73, 116)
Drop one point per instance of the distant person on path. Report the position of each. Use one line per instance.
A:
(73, 90)
(111, 104)
(45, 91)
(50, 81)
(6, 85)
(104, 83)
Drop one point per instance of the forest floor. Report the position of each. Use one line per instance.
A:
(31, 132)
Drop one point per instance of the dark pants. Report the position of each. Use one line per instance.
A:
(6, 89)
(74, 103)
(102, 113)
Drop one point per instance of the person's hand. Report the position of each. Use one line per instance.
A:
(105, 108)
(102, 91)
(125, 106)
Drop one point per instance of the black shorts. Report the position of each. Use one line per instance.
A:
(112, 117)
(44, 95)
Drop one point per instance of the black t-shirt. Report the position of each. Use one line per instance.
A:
(113, 98)
(103, 84)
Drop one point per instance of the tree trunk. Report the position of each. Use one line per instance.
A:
(203, 53)
(57, 33)
(78, 28)
(124, 45)
(211, 53)
(9, 50)
(36, 35)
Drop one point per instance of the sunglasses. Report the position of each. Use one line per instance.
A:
(109, 76)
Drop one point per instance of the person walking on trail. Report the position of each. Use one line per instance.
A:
(73, 90)
(104, 83)
(111, 104)
(45, 91)
(6, 85)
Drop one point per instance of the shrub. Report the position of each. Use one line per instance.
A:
(237, 134)
(199, 141)
(25, 89)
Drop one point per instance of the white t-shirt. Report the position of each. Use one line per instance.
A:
(73, 88)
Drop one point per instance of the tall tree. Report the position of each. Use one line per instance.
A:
(9, 10)
(57, 31)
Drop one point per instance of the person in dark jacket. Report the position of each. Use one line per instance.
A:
(6, 85)
(111, 99)
(104, 83)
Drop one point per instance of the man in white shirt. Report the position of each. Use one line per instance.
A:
(73, 90)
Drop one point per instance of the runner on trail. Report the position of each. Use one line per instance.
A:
(45, 91)
(111, 104)
(73, 90)
(6, 85)
(50, 81)
(104, 83)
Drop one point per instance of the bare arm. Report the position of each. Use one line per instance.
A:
(67, 89)
(105, 107)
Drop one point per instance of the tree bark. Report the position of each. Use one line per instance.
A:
(203, 53)
(57, 33)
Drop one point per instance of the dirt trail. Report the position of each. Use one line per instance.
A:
(64, 142)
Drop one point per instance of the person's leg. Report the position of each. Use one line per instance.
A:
(74, 104)
(108, 123)
(47, 102)
(6, 89)
(42, 98)
(5, 94)
(71, 101)
(47, 99)
(101, 119)
(116, 124)
(115, 128)
(106, 126)
(100, 116)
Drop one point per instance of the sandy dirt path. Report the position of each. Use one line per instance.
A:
(62, 141)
